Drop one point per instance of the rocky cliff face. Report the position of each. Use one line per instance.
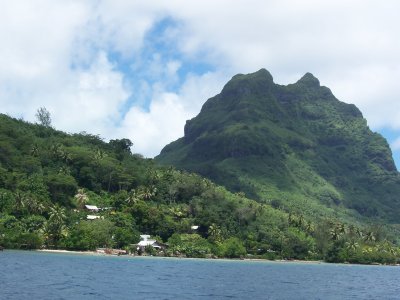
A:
(293, 146)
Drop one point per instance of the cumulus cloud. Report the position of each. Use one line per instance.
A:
(36, 40)
(91, 99)
(102, 58)
(151, 130)
(163, 122)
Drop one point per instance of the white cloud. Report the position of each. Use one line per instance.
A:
(152, 130)
(91, 100)
(36, 39)
(351, 46)
(57, 54)
(36, 57)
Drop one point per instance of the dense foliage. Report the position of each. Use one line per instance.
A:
(293, 146)
(47, 177)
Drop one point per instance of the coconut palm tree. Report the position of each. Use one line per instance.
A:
(370, 237)
(65, 156)
(55, 149)
(81, 198)
(64, 170)
(57, 215)
(215, 233)
(309, 227)
(19, 202)
(133, 197)
(35, 150)
(341, 228)
(367, 250)
(99, 155)
(55, 226)
(300, 221)
(148, 192)
(352, 246)
(34, 205)
(335, 233)
(178, 212)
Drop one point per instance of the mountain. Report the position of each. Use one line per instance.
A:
(296, 147)
(47, 177)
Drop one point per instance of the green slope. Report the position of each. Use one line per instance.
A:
(293, 146)
(46, 177)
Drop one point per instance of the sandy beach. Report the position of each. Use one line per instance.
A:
(69, 252)
(173, 257)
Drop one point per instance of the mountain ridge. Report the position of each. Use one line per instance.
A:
(295, 141)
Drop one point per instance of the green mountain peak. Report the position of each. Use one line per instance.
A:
(295, 146)
(309, 80)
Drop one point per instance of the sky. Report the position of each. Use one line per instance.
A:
(139, 69)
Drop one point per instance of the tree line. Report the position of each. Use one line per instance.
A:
(47, 177)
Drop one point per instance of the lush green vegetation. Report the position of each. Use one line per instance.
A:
(47, 176)
(294, 146)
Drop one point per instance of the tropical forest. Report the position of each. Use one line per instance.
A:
(265, 171)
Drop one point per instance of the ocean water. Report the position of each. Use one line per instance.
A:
(38, 275)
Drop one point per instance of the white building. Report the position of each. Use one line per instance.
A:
(92, 217)
(146, 241)
(92, 208)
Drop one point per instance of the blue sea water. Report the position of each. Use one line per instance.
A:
(37, 275)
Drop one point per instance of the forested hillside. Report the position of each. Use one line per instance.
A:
(293, 146)
(47, 177)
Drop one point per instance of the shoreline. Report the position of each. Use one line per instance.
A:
(61, 251)
(95, 253)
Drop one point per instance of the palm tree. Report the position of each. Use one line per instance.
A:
(359, 232)
(290, 219)
(81, 198)
(301, 221)
(35, 150)
(19, 201)
(352, 230)
(148, 192)
(367, 250)
(55, 149)
(55, 226)
(171, 193)
(133, 197)
(99, 154)
(64, 170)
(309, 227)
(341, 228)
(153, 175)
(335, 233)
(369, 237)
(178, 212)
(65, 156)
(57, 215)
(215, 233)
(352, 246)
(34, 205)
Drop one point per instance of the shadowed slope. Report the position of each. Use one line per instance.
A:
(295, 146)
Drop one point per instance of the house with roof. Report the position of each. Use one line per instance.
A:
(92, 208)
(92, 217)
(145, 241)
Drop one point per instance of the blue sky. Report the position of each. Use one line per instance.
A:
(140, 69)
